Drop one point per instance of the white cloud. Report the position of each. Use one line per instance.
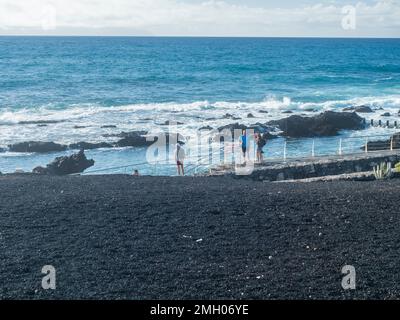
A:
(219, 18)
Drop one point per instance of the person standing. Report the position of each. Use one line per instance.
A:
(180, 158)
(244, 144)
(261, 142)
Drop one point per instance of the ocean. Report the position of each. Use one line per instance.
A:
(138, 83)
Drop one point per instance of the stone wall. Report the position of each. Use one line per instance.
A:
(316, 167)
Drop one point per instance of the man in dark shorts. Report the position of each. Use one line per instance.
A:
(261, 142)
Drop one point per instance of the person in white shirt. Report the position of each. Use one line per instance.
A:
(180, 158)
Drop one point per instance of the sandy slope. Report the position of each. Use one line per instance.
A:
(122, 237)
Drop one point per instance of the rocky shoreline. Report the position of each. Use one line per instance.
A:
(326, 124)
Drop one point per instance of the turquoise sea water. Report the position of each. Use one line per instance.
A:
(139, 83)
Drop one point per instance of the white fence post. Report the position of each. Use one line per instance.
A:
(284, 151)
(391, 144)
(313, 149)
(366, 145)
(340, 147)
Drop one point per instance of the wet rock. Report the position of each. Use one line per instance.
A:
(79, 127)
(89, 146)
(328, 123)
(134, 139)
(287, 112)
(386, 114)
(206, 128)
(250, 115)
(75, 163)
(111, 126)
(40, 170)
(263, 111)
(232, 127)
(258, 127)
(230, 116)
(170, 138)
(359, 109)
(36, 146)
(39, 122)
(171, 123)
(124, 134)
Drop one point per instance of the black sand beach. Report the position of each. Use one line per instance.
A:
(120, 237)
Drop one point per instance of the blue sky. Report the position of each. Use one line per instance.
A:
(307, 18)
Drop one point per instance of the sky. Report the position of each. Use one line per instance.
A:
(258, 18)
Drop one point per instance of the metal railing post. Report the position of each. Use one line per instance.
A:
(284, 151)
(313, 149)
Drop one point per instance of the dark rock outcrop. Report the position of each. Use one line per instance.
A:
(124, 134)
(134, 139)
(40, 170)
(263, 111)
(36, 146)
(75, 163)
(386, 114)
(39, 122)
(232, 127)
(206, 128)
(111, 126)
(360, 109)
(143, 139)
(171, 123)
(250, 116)
(328, 123)
(171, 138)
(89, 146)
(265, 130)
(258, 127)
(230, 116)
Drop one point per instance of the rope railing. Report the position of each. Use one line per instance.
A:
(292, 149)
(193, 165)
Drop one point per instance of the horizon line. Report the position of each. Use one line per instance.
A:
(194, 36)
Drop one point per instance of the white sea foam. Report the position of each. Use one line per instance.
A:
(148, 116)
